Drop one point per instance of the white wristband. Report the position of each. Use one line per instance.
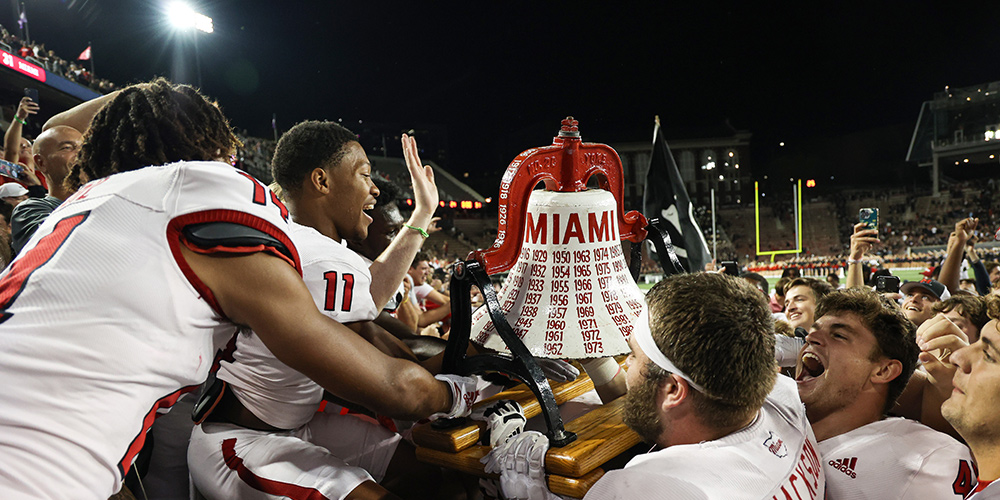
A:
(601, 370)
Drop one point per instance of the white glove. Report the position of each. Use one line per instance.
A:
(786, 350)
(505, 420)
(521, 464)
(464, 394)
(557, 369)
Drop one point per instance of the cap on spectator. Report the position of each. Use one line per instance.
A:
(934, 287)
(11, 190)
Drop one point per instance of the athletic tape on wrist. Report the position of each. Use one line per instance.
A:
(422, 231)
(601, 370)
(644, 337)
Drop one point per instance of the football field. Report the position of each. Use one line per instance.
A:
(905, 274)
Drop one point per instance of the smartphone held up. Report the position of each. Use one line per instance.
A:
(869, 217)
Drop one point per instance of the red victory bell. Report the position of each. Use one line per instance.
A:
(569, 293)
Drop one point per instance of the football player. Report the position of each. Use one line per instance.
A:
(971, 409)
(265, 437)
(118, 303)
(858, 357)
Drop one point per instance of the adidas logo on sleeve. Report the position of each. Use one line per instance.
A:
(893, 459)
(845, 465)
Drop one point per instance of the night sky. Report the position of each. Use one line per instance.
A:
(498, 76)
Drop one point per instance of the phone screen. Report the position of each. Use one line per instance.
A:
(869, 216)
(10, 169)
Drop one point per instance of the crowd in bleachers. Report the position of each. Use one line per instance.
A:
(36, 53)
(912, 223)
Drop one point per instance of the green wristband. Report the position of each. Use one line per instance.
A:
(23, 121)
(417, 229)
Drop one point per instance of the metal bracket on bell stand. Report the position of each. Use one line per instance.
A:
(664, 249)
(521, 365)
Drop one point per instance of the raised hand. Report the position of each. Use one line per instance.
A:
(965, 229)
(862, 241)
(938, 337)
(26, 107)
(425, 192)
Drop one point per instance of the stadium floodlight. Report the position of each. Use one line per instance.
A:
(182, 16)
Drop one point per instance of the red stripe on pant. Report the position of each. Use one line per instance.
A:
(139, 440)
(292, 491)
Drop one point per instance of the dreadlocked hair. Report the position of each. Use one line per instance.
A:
(152, 124)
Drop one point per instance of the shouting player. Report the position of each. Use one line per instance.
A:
(859, 356)
(268, 419)
(118, 302)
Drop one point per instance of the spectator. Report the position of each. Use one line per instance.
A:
(966, 312)
(993, 269)
(971, 409)
(920, 297)
(54, 152)
(778, 296)
(6, 253)
(960, 246)
(757, 281)
(863, 240)
(17, 148)
(434, 306)
(834, 280)
(13, 194)
(801, 297)
(859, 355)
(968, 286)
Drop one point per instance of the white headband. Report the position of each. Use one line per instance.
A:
(644, 337)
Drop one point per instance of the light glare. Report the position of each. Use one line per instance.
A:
(182, 16)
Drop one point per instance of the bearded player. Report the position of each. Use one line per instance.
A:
(118, 302)
(703, 388)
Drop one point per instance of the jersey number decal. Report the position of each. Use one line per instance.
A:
(22, 269)
(966, 479)
(260, 195)
(331, 291)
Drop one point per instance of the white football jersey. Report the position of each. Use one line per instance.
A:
(775, 457)
(895, 458)
(419, 293)
(340, 283)
(104, 325)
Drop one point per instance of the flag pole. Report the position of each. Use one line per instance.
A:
(715, 255)
(93, 73)
(24, 30)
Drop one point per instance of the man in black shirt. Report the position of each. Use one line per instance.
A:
(54, 152)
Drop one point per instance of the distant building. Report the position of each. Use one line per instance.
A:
(719, 163)
(959, 128)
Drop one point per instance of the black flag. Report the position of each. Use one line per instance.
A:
(666, 198)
